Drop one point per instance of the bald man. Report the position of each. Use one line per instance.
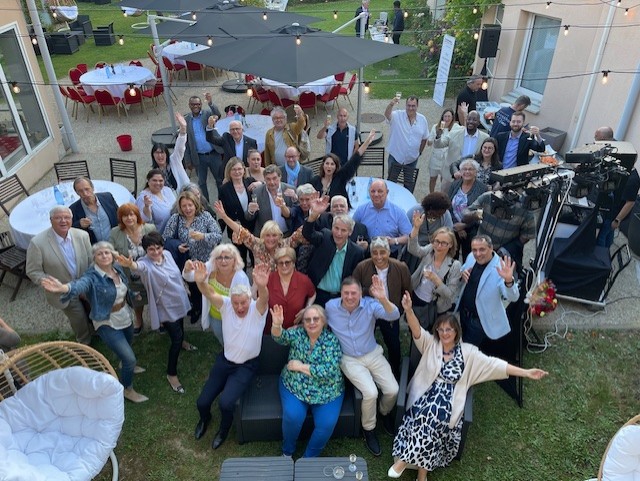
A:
(341, 137)
(383, 218)
(603, 133)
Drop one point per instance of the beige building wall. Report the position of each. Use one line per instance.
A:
(35, 166)
(582, 51)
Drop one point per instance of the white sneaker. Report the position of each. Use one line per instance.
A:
(134, 396)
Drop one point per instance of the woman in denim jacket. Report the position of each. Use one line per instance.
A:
(105, 286)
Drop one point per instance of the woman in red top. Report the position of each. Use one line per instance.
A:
(288, 288)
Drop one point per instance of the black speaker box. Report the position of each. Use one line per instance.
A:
(489, 41)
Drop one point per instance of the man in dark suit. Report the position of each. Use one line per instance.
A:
(234, 142)
(335, 255)
(64, 253)
(199, 153)
(293, 173)
(514, 146)
(95, 213)
(364, 7)
(338, 203)
(275, 199)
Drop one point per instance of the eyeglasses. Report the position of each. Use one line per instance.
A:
(291, 156)
(445, 330)
(440, 243)
(284, 263)
(312, 320)
(224, 258)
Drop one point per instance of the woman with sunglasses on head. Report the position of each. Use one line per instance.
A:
(431, 429)
(289, 288)
(224, 271)
(435, 281)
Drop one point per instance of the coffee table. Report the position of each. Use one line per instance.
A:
(313, 469)
(257, 469)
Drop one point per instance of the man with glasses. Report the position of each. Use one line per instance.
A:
(292, 172)
(199, 153)
(488, 279)
(282, 135)
(408, 134)
(65, 253)
(352, 319)
(234, 142)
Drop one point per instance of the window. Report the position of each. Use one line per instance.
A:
(538, 54)
(22, 123)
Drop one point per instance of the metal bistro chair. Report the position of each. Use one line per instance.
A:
(125, 169)
(402, 174)
(330, 96)
(70, 171)
(373, 157)
(104, 98)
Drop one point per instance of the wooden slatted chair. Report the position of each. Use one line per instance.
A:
(125, 169)
(374, 157)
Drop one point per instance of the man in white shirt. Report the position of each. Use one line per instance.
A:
(408, 134)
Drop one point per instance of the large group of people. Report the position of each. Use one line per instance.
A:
(323, 278)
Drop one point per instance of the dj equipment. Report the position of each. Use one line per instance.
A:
(519, 175)
(586, 154)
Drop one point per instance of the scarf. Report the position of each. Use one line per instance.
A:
(292, 174)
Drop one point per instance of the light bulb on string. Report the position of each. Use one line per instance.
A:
(264, 16)
(566, 30)
(54, 14)
(367, 89)
(15, 87)
(605, 77)
(34, 40)
(335, 15)
(121, 39)
(548, 5)
(124, 14)
(475, 10)
(209, 41)
(386, 38)
(298, 40)
(194, 16)
(406, 14)
(249, 92)
(476, 35)
(132, 90)
(485, 85)
(626, 12)
(619, 2)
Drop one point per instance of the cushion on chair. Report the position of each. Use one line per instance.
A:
(62, 425)
(623, 458)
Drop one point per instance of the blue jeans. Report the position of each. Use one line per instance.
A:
(119, 341)
(209, 162)
(294, 412)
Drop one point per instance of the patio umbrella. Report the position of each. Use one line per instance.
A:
(168, 6)
(296, 54)
(227, 20)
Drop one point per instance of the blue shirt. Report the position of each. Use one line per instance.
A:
(330, 282)
(202, 146)
(100, 223)
(511, 152)
(390, 221)
(355, 329)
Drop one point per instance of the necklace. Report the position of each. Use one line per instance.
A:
(449, 353)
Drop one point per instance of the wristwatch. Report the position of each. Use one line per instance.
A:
(395, 240)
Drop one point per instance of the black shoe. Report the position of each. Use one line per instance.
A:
(389, 425)
(194, 316)
(371, 440)
(219, 438)
(201, 428)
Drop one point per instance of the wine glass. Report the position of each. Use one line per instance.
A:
(359, 475)
(353, 457)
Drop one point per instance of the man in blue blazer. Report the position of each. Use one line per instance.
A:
(488, 280)
(95, 213)
(514, 146)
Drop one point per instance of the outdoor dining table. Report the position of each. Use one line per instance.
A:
(116, 83)
(175, 50)
(358, 190)
(31, 216)
(318, 87)
(255, 126)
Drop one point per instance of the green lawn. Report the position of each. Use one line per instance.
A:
(560, 434)
(386, 77)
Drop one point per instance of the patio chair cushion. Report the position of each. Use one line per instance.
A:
(623, 459)
(61, 426)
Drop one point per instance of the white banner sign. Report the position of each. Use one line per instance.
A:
(446, 54)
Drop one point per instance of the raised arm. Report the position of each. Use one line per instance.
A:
(175, 159)
(200, 276)
(377, 291)
(260, 279)
(222, 214)
(388, 111)
(412, 320)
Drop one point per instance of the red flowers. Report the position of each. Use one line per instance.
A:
(543, 298)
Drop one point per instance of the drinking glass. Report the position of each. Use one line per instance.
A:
(398, 95)
(338, 472)
(353, 457)
(359, 475)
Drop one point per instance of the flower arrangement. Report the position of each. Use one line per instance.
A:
(543, 298)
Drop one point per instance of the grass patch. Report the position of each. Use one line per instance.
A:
(386, 77)
(561, 433)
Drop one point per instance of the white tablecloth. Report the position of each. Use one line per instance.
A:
(318, 87)
(179, 49)
(118, 83)
(255, 126)
(31, 216)
(398, 195)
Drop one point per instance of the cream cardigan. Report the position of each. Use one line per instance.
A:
(478, 368)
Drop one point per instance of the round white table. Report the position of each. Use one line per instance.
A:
(398, 195)
(179, 49)
(255, 126)
(118, 83)
(318, 87)
(31, 216)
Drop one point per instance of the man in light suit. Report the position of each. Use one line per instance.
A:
(488, 280)
(234, 142)
(199, 153)
(64, 253)
(293, 173)
(461, 143)
(274, 199)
